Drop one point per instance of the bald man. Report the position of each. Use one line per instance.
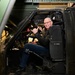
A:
(41, 49)
(48, 23)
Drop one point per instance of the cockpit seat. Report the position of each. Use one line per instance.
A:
(56, 45)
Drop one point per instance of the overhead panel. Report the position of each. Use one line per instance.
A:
(38, 1)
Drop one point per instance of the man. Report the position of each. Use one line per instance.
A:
(39, 49)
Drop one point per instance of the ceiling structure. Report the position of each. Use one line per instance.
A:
(45, 1)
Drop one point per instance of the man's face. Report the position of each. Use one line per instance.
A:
(47, 23)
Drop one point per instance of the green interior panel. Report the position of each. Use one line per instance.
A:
(3, 8)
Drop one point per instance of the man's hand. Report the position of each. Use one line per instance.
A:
(40, 28)
(35, 30)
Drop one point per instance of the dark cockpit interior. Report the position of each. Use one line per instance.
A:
(14, 24)
(19, 33)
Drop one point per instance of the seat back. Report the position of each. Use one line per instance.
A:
(56, 44)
